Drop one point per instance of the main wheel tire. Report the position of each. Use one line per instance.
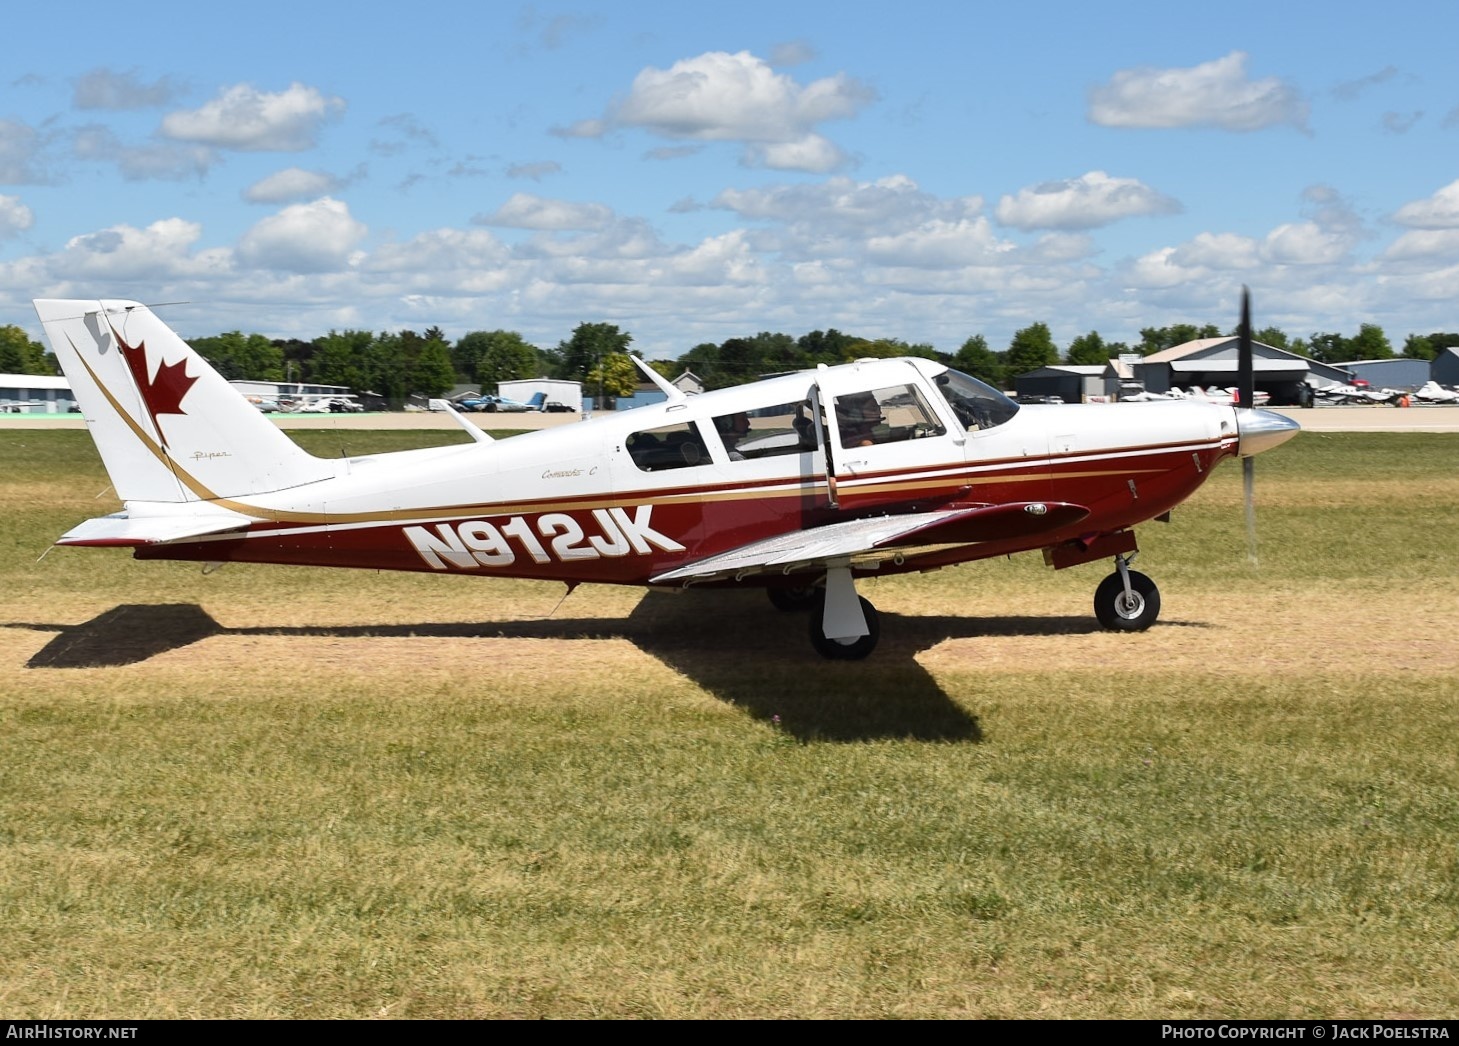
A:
(802, 597)
(844, 650)
(1121, 613)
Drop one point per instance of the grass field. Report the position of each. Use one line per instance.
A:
(266, 792)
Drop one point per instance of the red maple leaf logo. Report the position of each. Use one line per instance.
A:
(164, 393)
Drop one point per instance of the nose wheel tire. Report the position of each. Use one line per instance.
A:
(844, 649)
(1121, 611)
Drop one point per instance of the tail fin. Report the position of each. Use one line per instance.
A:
(168, 426)
(538, 401)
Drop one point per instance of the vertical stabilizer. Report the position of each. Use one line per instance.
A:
(168, 426)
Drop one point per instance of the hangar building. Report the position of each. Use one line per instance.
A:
(35, 394)
(1212, 361)
(1445, 368)
(1070, 382)
(1399, 373)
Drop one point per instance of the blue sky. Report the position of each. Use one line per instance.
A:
(924, 171)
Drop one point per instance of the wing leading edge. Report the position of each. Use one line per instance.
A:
(878, 538)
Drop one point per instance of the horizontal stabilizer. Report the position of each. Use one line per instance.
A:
(123, 531)
(864, 541)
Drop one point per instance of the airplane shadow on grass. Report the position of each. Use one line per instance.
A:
(732, 644)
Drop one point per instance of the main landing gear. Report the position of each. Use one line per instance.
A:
(1127, 600)
(847, 648)
(843, 625)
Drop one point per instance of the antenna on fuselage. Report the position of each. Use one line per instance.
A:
(675, 394)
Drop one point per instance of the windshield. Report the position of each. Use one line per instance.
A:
(977, 406)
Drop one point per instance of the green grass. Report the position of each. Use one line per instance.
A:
(362, 795)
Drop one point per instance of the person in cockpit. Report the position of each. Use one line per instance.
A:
(732, 428)
(857, 417)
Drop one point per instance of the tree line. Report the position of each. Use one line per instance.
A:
(397, 365)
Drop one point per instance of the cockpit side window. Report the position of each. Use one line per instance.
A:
(976, 405)
(767, 432)
(889, 415)
(670, 447)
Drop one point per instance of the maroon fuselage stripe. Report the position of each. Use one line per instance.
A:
(1120, 489)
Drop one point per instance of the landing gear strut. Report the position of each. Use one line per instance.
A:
(843, 625)
(845, 649)
(1126, 601)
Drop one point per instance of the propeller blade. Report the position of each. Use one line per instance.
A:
(1248, 486)
(1245, 376)
(1246, 401)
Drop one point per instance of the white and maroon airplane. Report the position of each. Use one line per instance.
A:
(800, 484)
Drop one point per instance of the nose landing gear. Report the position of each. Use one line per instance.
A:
(1126, 601)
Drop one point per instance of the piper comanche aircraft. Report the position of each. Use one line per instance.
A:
(802, 484)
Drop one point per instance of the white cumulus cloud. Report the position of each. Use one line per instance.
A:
(1213, 94)
(940, 244)
(1219, 250)
(292, 183)
(1304, 243)
(719, 260)
(526, 211)
(126, 253)
(15, 217)
(250, 120)
(1086, 202)
(1424, 244)
(1159, 268)
(844, 207)
(808, 153)
(725, 97)
(305, 237)
(1439, 211)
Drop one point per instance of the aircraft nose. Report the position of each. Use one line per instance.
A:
(1263, 429)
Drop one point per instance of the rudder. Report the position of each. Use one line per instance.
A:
(168, 427)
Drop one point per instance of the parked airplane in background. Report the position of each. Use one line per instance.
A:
(1358, 394)
(1433, 392)
(1214, 394)
(802, 484)
(492, 404)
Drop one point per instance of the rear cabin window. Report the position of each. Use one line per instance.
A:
(889, 415)
(670, 447)
(767, 432)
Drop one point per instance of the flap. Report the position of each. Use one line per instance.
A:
(879, 537)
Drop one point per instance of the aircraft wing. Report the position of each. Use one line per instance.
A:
(123, 531)
(877, 538)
